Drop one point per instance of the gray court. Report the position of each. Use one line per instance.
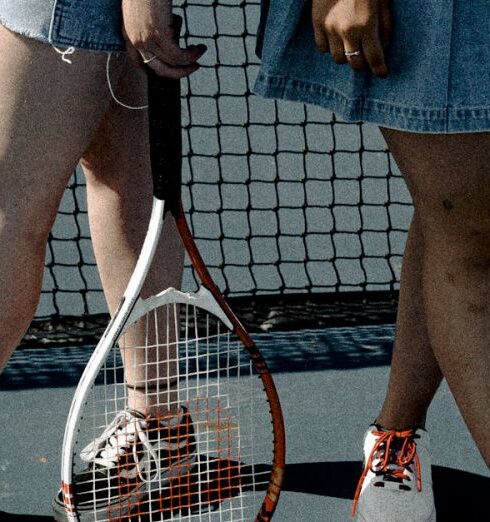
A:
(331, 383)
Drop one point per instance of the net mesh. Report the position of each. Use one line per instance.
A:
(288, 203)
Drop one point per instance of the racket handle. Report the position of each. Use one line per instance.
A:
(164, 110)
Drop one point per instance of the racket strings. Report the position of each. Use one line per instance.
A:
(215, 465)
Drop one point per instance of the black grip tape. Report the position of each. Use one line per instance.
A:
(164, 109)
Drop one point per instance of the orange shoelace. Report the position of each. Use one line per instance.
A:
(405, 456)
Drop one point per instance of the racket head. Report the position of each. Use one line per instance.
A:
(225, 468)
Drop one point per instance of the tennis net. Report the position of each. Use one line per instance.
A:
(300, 216)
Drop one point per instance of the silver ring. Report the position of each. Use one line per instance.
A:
(352, 53)
(148, 60)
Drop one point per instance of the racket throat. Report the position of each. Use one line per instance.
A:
(147, 251)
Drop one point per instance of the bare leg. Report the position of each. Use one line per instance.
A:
(48, 112)
(118, 172)
(414, 372)
(448, 177)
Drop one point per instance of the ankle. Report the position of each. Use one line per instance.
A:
(398, 424)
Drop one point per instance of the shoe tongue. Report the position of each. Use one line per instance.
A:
(388, 474)
(395, 450)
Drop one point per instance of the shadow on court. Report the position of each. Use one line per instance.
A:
(285, 352)
(459, 495)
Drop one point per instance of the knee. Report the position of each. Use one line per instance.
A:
(459, 228)
(462, 218)
(29, 230)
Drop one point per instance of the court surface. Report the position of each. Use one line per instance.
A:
(331, 382)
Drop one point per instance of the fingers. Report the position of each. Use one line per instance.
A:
(176, 57)
(164, 69)
(161, 52)
(171, 57)
(374, 54)
(157, 59)
(321, 37)
(368, 39)
(385, 23)
(337, 49)
(348, 42)
(166, 46)
(369, 49)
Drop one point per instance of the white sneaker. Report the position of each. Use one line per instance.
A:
(396, 484)
(133, 457)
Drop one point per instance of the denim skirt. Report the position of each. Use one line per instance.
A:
(438, 66)
(94, 25)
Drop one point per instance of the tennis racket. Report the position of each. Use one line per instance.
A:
(176, 416)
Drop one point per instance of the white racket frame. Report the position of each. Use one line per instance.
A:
(131, 308)
(109, 337)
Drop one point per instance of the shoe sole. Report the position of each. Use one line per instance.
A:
(432, 518)
(91, 516)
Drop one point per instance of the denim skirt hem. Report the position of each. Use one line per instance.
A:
(438, 63)
(92, 25)
(80, 44)
(415, 119)
(24, 31)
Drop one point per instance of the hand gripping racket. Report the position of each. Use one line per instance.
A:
(176, 416)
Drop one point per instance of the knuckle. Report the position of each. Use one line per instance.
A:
(345, 30)
(353, 27)
(141, 39)
(138, 41)
(158, 36)
(329, 27)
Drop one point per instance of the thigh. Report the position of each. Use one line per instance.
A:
(49, 111)
(448, 176)
(117, 161)
(119, 188)
(119, 153)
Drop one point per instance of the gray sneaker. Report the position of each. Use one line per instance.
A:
(396, 484)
